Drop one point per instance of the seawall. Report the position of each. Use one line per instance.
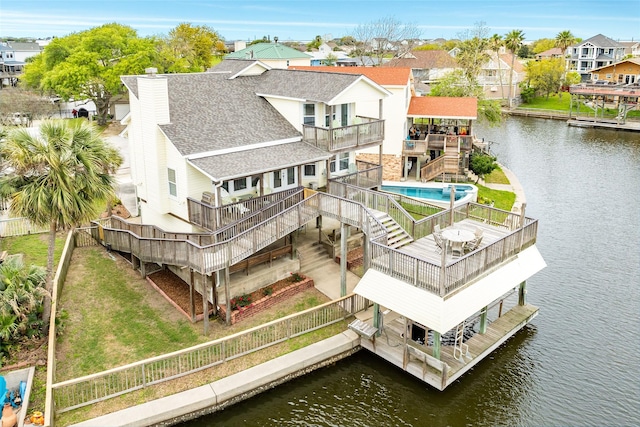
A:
(235, 388)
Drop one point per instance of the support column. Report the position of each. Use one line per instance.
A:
(522, 293)
(319, 227)
(344, 236)
(214, 291)
(366, 256)
(205, 306)
(294, 244)
(436, 344)
(418, 169)
(376, 317)
(192, 300)
(483, 320)
(227, 295)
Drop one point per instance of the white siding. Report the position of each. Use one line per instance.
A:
(290, 110)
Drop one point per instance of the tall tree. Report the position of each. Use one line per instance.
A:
(88, 65)
(60, 176)
(563, 40)
(495, 44)
(385, 37)
(513, 41)
(546, 75)
(189, 48)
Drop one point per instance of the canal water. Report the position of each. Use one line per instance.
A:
(577, 363)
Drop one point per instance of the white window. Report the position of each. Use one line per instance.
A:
(309, 114)
(343, 162)
(277, 179)
(173, 188)
(291, 176)
(310, 170)
(239, 184)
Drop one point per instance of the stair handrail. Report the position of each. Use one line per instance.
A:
(215, 256)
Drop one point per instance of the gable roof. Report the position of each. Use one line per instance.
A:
(443, 107)
(554, 51)
(425, 59)
(212, 112)
(268, 51)
(617, 64)
(384, 76)
(600, 41)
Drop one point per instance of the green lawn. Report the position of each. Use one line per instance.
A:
(501, 199)
(34, 247)
(562, 103)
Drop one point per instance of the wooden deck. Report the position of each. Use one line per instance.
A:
(427, 249)
(420, 361)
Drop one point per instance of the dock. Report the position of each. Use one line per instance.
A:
(418, 360)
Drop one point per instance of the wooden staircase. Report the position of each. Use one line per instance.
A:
(313, 256)
(397, 237)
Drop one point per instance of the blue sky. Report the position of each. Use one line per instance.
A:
(304, 19)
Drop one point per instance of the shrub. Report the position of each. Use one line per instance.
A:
(295, 277)
(241, 301)
(267, 291)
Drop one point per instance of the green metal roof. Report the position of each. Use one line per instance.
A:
(268, 51)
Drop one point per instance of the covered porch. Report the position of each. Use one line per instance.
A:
(439, 127)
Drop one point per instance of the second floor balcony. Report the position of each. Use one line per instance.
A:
(369, 132)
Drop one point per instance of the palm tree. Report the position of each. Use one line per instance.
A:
(513, 41)
(61, 174)
(21, 295)
(495, 43)
(564, 39)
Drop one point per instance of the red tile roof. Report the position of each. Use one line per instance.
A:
(380, 75)
(443, 107)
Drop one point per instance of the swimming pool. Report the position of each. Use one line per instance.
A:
(434, 192)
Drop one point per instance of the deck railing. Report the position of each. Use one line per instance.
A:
(368, 175)
(442, 280)
(204, 254)
(251, 211)
(79, 392)
(345, 137)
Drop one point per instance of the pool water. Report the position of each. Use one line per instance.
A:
(430, 193)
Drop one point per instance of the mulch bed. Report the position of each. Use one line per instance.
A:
(176, 289)
(355, 258)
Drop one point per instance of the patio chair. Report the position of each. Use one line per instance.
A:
(457, 248)
(474, 244)
(438, 239)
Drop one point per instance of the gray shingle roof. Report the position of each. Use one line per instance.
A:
(260, 160)
(307, 85)
(600, 41)
(211, 111)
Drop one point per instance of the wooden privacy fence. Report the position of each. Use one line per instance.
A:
(90, 389)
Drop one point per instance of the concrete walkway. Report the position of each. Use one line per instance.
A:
(216, 395)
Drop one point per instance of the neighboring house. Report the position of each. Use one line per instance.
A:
(275, 55)
(631, 49)
(623, 72)
(428, 66)
(494, 77)
(13, 56)
(357, 61)
(595, 52)
(244, 128)
(554, 52)
(325, 51)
